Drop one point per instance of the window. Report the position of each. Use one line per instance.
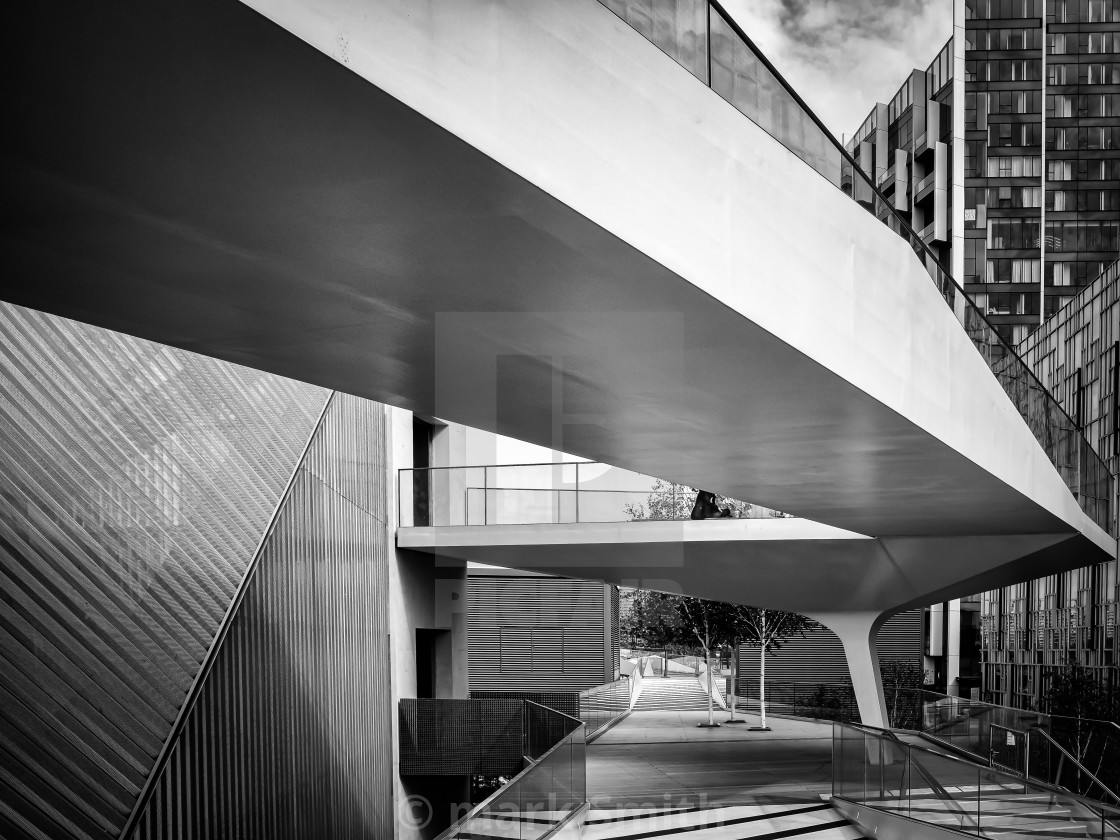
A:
(525, 649)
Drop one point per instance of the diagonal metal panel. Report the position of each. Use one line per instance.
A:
(289, 734)
(135, 481)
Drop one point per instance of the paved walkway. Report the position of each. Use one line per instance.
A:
(663, 760)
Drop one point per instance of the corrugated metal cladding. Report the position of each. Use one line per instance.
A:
(819, 656)
(291, 734)
(135, 483)
(538, 634)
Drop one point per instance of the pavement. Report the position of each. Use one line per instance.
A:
(663, 759)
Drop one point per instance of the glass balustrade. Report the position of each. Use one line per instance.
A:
(550, 790)
(703, 39)
(1079, 754)
(873, 768)
(550, 493)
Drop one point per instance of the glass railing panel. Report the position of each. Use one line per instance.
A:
(677, 27)
(957, 721)
(553, 493)
(600, 705)
(944, 791)
(501, 816)
(549, 789)
(740, 77)
(966, 796)
(579, 765)
(849, 763)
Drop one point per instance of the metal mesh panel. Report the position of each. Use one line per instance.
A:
(562, 701)
(135, 483)
(461, 737)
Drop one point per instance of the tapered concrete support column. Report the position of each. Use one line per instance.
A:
(858, 632)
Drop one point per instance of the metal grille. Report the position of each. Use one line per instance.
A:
(461, 737)
(566, 702)
(1009, 749)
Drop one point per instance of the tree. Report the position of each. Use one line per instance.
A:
(713, 624)
(672, 501)
(769, 629)
(666, 500)
(647, 619)
(658, 619)
(902, 684)
(1080, 699)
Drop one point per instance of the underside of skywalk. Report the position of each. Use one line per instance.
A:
(525, 218)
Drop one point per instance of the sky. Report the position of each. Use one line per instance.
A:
(843, 56)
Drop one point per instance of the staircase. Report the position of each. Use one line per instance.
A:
(1002, 812)
(671, 694)
(742, 822)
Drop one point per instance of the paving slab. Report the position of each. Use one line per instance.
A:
(664, 760)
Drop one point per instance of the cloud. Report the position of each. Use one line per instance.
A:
(843, 56)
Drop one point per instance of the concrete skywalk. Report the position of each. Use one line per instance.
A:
(526, 218)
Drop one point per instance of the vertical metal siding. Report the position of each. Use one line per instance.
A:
(291, 733)
(819, 656)
(536, 634)
(135, 482)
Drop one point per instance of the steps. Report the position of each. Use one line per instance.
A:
(671, 694)
(815, 822)
(1001, 813)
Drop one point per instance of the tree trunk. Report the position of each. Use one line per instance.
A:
(734, 677)
(762, 671)
(708, 661)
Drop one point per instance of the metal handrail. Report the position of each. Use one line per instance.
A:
(970, 713)
(1049, 715)
(1088, 802)
(1107, 813)
(1066, 755)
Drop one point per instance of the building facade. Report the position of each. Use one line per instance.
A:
(1009, 167)
(530, 632)
(1033, 628)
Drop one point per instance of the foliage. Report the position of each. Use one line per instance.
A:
(672, 501)
(657, 620)
(667, 500)
(827, 702)
(902, 689)
(770, 629)
(1073, 691)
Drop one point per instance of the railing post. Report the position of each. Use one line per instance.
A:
(485, 495)
(708, 30)
(577, 492)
